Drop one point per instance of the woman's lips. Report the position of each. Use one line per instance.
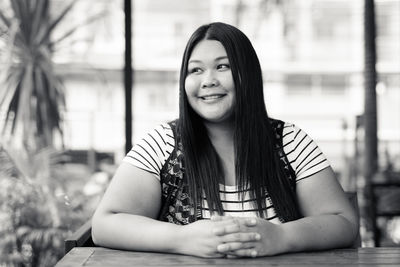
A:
(212, 97)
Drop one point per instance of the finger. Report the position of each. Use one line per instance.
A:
(226, 229)
(244, 253)
(241, 237)
(250, 222)
(233, 246)
(226, 218)
(222, 219)
(216, 218)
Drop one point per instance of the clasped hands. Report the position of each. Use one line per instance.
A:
(233, 237)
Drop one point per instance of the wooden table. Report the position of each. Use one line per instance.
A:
(97, 256)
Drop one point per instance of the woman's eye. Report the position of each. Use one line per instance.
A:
(194, 70)
(223, 66)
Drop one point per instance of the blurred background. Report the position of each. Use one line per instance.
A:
(332, 67)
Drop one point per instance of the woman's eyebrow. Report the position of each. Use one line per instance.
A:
(200, 61)
(194, 61)
(220, 58)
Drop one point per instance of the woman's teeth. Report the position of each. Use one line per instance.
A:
(210, 97)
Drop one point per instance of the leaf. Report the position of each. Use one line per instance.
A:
(24, 102)
(39, 14)
(8, 56)
(13, 109)
(49, 30)
(9, 86)
(72, 30)
(6, 21)
(16, 8)
(21, 12)
(56, 96)
(43, 122)
(6, 90)
(7, 167)
(23, 231)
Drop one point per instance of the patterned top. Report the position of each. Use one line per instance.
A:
(305, 158)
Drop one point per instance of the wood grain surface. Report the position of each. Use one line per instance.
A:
(97, 256)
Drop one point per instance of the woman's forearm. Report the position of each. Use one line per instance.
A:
(134, 232)
(319, 232)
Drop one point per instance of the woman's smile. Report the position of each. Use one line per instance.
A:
(212, 97)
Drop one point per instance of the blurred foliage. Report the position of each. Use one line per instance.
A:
(31, 91)
(41, 203)
(41, 198)
(32, 94)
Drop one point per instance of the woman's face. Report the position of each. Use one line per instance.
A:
(209, 84)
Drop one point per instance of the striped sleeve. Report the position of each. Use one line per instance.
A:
(303, 153)
(151, 152)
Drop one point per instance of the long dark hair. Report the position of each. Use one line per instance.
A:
(257, 164)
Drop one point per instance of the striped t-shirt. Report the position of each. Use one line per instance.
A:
(305, 157)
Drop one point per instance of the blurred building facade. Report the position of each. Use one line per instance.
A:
(311, 54)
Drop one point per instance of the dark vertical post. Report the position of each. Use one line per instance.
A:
(370, 110)
(128, 75)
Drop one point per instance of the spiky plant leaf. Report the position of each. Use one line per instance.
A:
(72, 30)
(47, 33)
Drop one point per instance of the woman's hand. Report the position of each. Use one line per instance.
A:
(204, 238)
(268, 239)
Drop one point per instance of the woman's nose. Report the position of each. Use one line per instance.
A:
(209, 80)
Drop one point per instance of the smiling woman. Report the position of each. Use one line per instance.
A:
(224, 178)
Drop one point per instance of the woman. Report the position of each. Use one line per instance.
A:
(224, 179)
